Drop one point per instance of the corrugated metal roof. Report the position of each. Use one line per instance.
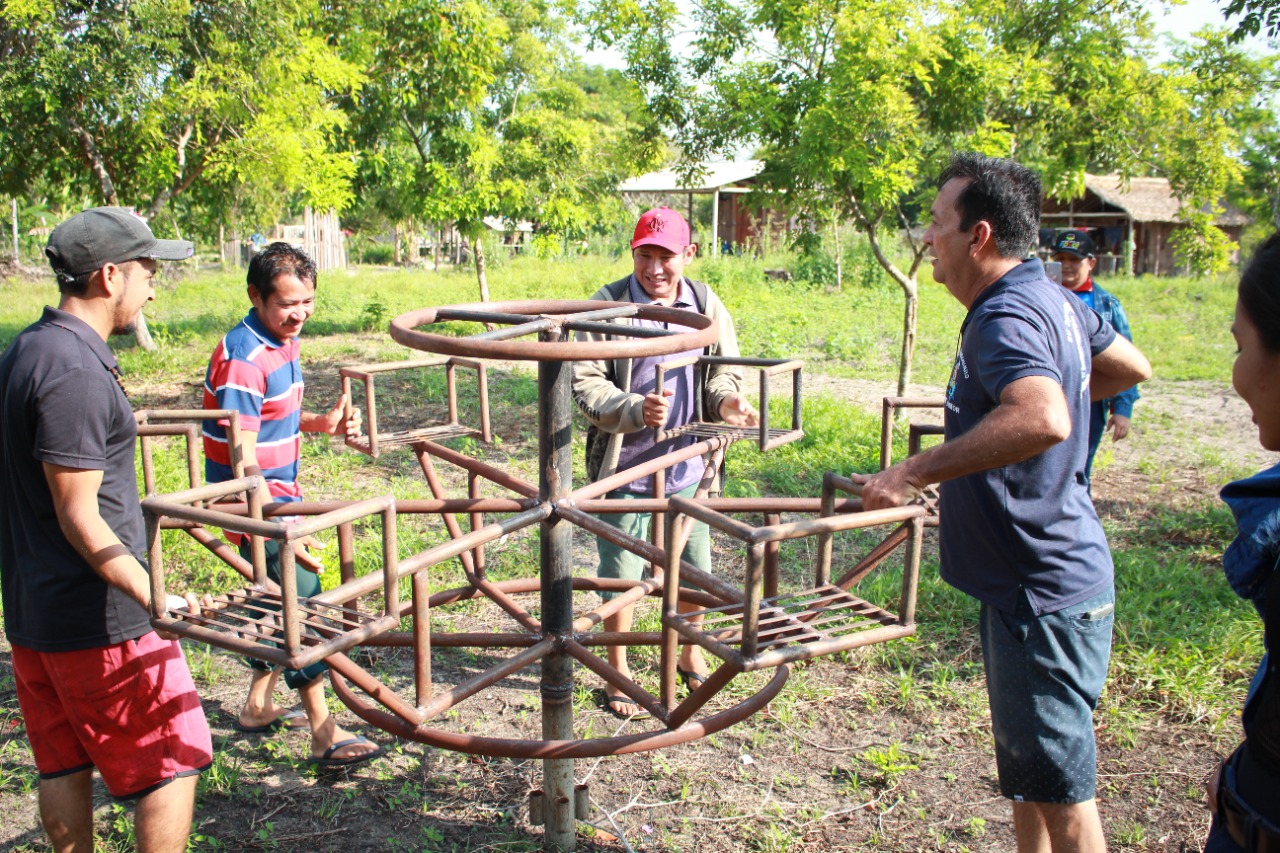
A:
(712, 177)
(1149, 199)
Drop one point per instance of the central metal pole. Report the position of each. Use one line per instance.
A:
(555, 476)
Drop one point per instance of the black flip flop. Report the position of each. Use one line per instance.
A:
(289, 721)
(612, 703)
(327, 760)
(692, 680)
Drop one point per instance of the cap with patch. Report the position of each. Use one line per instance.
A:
(663, 227)
(1077, 243)
(107, 235)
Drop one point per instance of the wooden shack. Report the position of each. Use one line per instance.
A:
(1131, 225)
(734, 223)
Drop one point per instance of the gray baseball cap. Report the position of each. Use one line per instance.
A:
(107, 235)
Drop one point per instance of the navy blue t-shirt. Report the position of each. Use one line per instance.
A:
(60, 403)
(1030, 525)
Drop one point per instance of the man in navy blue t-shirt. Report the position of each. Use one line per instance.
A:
(1018, 530)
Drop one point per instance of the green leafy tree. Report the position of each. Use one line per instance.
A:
(478, 109)
(138, 103)
(854, 105)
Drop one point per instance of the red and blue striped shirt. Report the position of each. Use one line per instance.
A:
(261, 378)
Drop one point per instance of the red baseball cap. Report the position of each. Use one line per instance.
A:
(663, 227)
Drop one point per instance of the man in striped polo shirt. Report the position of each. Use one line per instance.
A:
(255, 371)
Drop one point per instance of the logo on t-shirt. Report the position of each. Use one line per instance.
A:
(1075, 337)
(960, 368)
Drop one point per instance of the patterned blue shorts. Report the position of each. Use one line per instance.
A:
(1044, 676)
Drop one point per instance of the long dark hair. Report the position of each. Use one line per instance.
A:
(1259, 291)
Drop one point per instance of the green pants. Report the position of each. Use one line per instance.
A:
(617, 562)
(308, 585)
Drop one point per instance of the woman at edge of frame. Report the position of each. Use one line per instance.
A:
(1244, 792)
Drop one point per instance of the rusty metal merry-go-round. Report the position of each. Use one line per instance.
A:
(553, 621)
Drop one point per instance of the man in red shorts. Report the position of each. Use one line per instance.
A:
(97, 686)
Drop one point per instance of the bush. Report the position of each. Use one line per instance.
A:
(379, 254)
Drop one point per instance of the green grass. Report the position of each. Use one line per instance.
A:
(1181, 324)
(1185, 646)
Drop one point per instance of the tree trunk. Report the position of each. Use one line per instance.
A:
(912, 299)
(910, 293)
(478, 249)
(143, 335)
(395, 244)
(835, 242)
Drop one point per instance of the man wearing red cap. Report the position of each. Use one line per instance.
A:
(619, 399)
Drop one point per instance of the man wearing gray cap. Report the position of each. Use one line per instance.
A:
(97, 686)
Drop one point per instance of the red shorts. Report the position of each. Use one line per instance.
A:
(130, 709)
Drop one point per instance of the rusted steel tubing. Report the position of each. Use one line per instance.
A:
(818, 648)
(662, 463)
(754, 584)
(877, 556)
(771, 550)
(696, 636)
(387, 366)
(616, 329)
(608, 608)
(737, 529)
(594, 506)
(748, 362)
(489, 472)
(444, 551)
(615, 311)
(216, 518)
(796, 529)
(511, 640)
(407, 506)
(911, 573)
(213, 491)
(726, 592)
(224, 552)
(782, 367)
(352, 512)
(445, 315)
(476, 518)
(728, 506)
(404, 331)
(890, 404)
(451, 640)
(442, 702)
(670, 605)
(858, 521)
(612, 677)
(715, 682)
(528, 327)
(467, 557)
(152, 415)
(342, 668)
(509, 605)
(396, 724)
(390, 561)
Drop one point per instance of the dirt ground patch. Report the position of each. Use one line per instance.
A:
(851, 756)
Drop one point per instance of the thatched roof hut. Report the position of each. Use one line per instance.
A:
(1131, 224)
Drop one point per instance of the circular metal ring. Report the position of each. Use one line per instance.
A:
(404, 330)
(496, 747)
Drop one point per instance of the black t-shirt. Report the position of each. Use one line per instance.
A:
(60, 403)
